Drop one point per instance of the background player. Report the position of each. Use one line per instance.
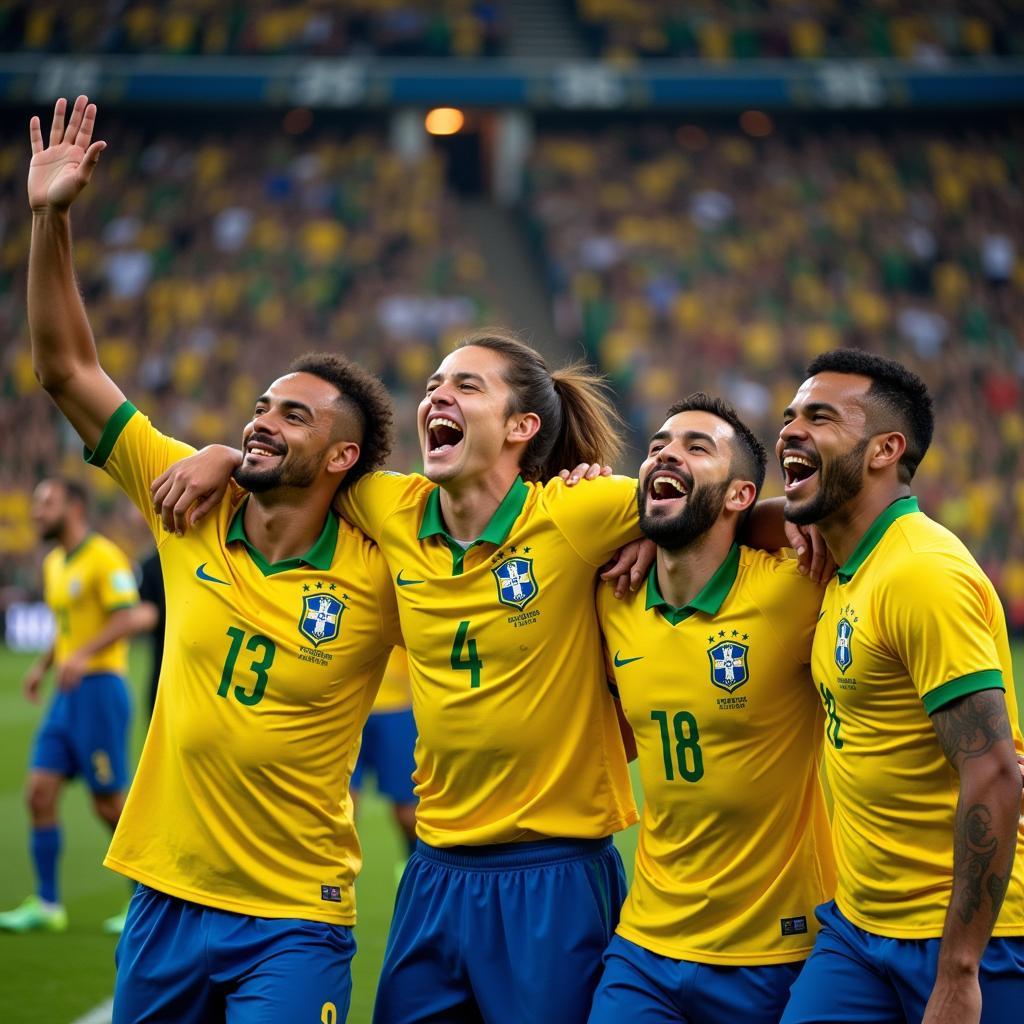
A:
(913, 667)
(238, 825)
(386, 750)
(710, 661)
(89, 586)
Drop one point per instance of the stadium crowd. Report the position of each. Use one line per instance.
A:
(926, 33)
(387, 28)
(210, 261)
(709, 259)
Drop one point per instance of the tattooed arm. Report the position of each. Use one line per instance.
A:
(976, 737)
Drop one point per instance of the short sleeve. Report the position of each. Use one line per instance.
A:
(938, 616)
(115, 581)
(377, 567)
(368, 502)
(596, 517)
(134, 453)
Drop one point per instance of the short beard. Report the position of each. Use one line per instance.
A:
(841, 483)
(297, 472)
(703, 507)
(52, 532)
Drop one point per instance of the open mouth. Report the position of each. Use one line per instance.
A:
(797, 470)
(443, 435)
(666, 487)
(262, 450)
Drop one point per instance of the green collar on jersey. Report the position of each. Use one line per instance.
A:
(68, 555)
(711, 597)
(319, 556)
(495, 532)
(900, 507)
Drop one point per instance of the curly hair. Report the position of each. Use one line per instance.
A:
(900, 399)
(365, 400)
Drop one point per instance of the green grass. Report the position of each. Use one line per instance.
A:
(52, 979)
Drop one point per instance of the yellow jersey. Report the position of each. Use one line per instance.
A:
(393, 694)
(241, 800)
(518, 735)
(909, 623)
(734, 849)
(83, 587)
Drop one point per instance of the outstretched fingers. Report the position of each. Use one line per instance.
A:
(88, 125)
(35, 134)
(57, 126)
(75, 121)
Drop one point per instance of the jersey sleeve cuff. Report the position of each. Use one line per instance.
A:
(111, 432)
(987, 679)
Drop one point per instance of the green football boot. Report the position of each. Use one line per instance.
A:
(34, 916)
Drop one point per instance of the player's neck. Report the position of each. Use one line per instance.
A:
(845, 528)
(683, 574)
(279, 530)
(72, 535)
(467, 506)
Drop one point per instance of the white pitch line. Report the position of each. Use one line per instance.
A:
(98, 1014)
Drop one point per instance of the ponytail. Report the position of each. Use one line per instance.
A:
(578, 422)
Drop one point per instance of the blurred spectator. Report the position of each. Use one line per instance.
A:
(415, 28)
(927, 33)
(727, 263)
(210, 257)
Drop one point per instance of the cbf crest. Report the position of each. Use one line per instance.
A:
(844, 649)
(517, 586)
(729, 665)
(321, 618)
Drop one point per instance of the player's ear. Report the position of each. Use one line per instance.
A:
(523, 426)
(887, 449)
(342, 456)
(740, 495)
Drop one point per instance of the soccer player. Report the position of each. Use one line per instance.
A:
(912, 663)
(711, 663)
(386, 751)
(238, 825)
(89, 586)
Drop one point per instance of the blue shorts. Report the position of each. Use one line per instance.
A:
(182, 963)
(85, 732)
(389, 738)
(853, 975)
(500, 934)
(646, 988)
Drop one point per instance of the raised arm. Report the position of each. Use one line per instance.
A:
(977, 739)
(63, 351)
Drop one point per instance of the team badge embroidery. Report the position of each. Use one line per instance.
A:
(844, 650)
(516, 584)
(321, 618)
(729, 665)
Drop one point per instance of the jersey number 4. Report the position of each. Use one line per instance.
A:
(464, 644)
(259, 666)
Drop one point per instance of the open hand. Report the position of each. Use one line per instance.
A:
(59, 172)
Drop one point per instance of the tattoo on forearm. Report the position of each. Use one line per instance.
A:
(975, 848)
(969, 727)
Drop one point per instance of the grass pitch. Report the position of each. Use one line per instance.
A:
(54, 979)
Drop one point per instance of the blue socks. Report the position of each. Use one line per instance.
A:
(45, 853)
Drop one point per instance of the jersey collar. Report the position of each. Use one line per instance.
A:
(319, 556)
(900, 507)
(710, 598)
(495, 532)
(68, 555)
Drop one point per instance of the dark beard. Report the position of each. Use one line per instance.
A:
(298, 473)
(703, 507)
(841, 483)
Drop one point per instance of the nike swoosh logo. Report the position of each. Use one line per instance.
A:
(202, 574)
(619, 662)
(406, 583)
